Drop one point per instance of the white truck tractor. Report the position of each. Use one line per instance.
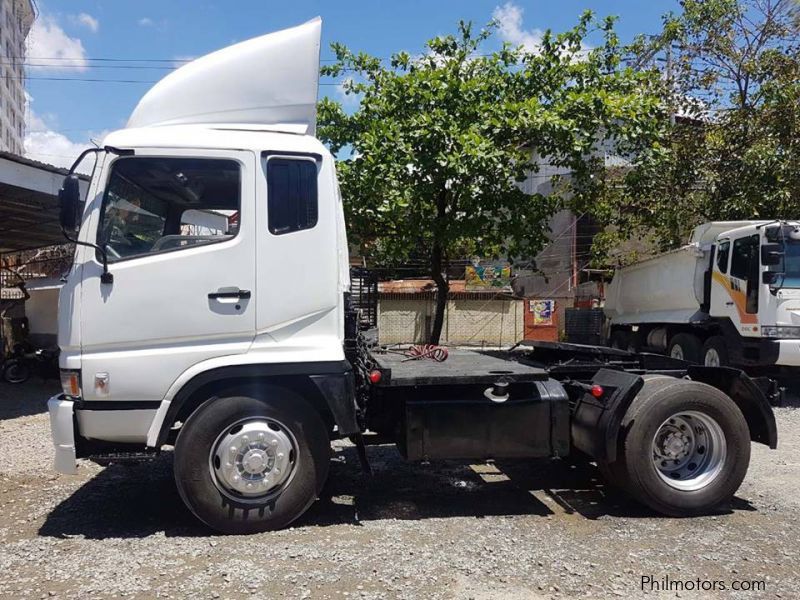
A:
(731, 296)
(209, 309)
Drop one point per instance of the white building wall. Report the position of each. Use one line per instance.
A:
(16, 19)
(467, 322)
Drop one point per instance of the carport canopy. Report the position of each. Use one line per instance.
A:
(29, 203)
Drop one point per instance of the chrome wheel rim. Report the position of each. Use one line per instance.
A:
(676, 352)
(689, 450)
(253, 459)
(712, 358)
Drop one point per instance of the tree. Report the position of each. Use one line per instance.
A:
(434, 156)
(730, 75)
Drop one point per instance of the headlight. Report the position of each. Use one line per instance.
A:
(781, 331)
(71, 383)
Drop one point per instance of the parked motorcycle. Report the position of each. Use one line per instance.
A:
(22, 364)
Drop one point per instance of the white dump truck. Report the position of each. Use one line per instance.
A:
(731, 296)
(209, 310)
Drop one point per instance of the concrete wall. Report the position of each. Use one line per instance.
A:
(494, 322)
(42, 312)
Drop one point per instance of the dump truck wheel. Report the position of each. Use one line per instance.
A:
(715, 352)
(685, 346)
(686, 448)
(245, 464)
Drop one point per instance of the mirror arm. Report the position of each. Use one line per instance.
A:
(106, 276)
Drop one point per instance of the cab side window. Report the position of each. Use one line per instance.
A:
(745, 264)
(745, 257)
(292, 202)
(155, 204)
(723, 253)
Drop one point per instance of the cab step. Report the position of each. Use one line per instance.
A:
(110, 458)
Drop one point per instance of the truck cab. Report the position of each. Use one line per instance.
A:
(730, 297)
(208, 310)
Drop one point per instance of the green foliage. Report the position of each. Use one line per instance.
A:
(730, 70)
(436, 151)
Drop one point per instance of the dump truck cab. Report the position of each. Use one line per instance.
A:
(731, 296)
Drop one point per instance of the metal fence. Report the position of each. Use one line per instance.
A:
(364, 290)
(27, 265)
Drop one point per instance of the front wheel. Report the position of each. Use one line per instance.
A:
(16, 371)
(685, 448)
(245, 464)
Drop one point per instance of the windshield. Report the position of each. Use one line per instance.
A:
(791, 265)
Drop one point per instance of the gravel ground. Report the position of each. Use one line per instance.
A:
(529, 530)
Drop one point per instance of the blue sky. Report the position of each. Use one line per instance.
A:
(71, 35)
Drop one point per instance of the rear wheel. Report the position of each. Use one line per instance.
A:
(246, 464)
(715, 352)
(685, 448)
(685, 346)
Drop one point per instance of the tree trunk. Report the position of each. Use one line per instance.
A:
(442, 290)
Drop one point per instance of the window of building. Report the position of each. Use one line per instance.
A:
(292, 203)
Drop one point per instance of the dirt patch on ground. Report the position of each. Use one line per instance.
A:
(534, 530)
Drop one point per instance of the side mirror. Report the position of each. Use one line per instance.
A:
(769, 277)
(69, 198)
(771, 254)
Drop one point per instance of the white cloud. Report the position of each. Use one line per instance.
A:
(86, 20)
(509, 26)
(181, 60)
(49, 48)
(46, 145)
(348, 101)
(145, 22)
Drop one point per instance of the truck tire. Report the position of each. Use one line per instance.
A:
(715, 352)
(615, 473)
(247, 464)
(685, 448)
(16, 371)
(686, 346)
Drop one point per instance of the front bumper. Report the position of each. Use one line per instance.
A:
(788, 353)
(62, 430)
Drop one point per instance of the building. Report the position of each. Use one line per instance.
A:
(16, 20)
(31, 249)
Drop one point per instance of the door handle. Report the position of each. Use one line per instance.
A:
(729, 304)
(241, 294)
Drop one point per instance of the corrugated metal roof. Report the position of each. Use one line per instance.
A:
(29, 203)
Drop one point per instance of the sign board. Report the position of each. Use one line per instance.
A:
(542, 311)
(483, 277)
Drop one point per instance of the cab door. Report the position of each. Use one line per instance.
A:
(178, 229)
(735, 282)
